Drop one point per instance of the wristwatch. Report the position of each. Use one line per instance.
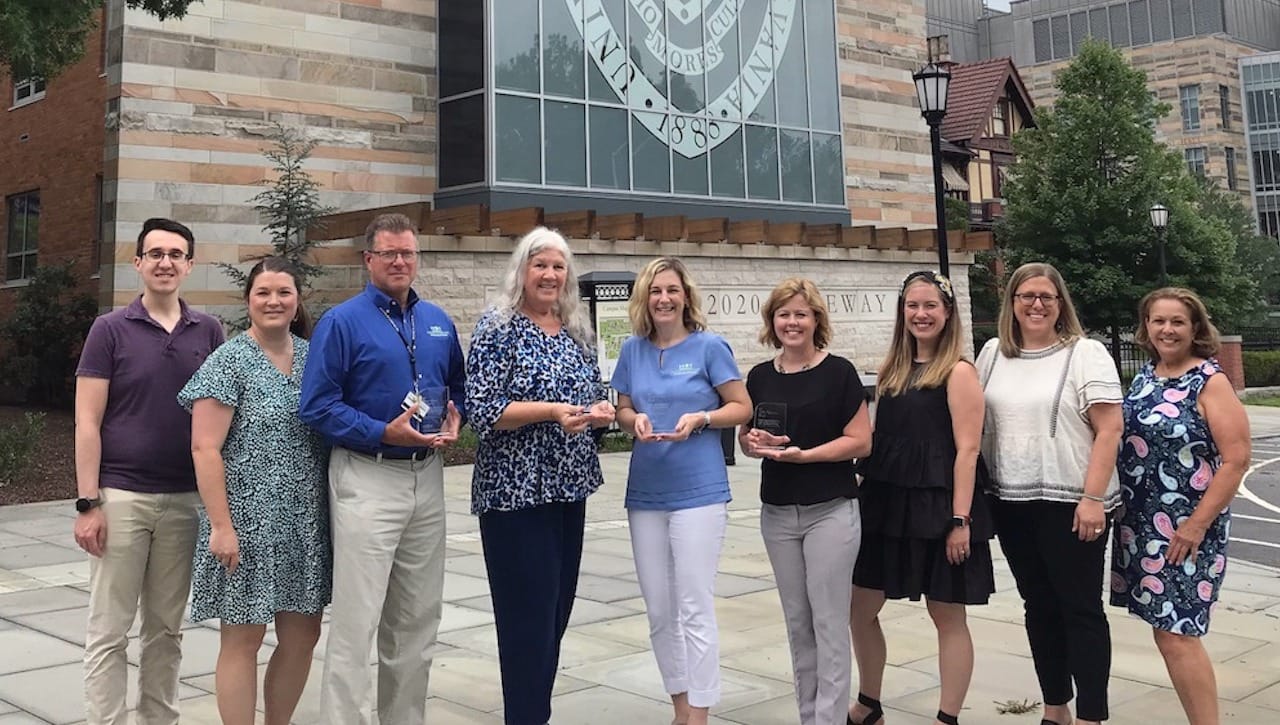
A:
(84, 505)
(706, 417)
(959, 522)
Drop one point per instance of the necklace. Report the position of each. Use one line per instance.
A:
(777, 365)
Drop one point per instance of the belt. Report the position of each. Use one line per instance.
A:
(379, 456)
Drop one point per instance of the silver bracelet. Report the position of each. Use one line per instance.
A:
(1091, 497)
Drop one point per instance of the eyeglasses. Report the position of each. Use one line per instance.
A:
(174, 255)
(1029, 299)
(391, 255)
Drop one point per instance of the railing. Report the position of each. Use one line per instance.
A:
(1258, 338)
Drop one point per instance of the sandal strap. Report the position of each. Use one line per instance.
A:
(946, 719)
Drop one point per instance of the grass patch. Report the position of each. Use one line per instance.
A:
(1271, 402)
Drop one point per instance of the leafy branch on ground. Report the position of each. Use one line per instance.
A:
(17, 443)
(1017, 707)
(290, 205)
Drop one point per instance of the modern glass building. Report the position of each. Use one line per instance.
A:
(1260, 78)
(727, 107)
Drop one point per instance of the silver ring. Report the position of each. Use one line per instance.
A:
(1097, 531)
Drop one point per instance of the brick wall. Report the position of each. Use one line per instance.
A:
(55, 145)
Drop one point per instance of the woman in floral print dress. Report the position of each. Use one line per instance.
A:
(1185, 450)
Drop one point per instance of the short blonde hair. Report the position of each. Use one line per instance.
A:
(1205, 342)
(1068, 324)
(638, 307)
(781, 294)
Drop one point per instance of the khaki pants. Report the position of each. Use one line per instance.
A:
(388, 576)
(151, 538)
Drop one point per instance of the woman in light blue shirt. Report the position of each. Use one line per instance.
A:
(674, 379)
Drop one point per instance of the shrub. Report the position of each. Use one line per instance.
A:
(43, 335)
(1261, 368)
(17, 443)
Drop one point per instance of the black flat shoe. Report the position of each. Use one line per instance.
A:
(876, 715)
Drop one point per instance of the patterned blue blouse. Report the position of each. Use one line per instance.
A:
(512, 361)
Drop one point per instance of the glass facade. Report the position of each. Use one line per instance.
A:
(683, 99)
(1260, 83)
(1125, 24)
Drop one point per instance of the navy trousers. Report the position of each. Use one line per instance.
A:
(532, 557)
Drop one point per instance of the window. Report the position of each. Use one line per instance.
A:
(1231, 169)
(1224, 106)
(1000, 118)
(1189, 102)
(23, 235)
(28, 91)
(1195, 158)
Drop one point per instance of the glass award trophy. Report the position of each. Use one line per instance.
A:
(772, 419)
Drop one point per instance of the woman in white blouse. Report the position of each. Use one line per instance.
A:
(1052, 432)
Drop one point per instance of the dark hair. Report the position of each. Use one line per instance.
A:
(166, 225)
(301, 325)
(394, 223)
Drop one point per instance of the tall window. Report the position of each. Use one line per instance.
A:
(1232, 184)
(1195, 158)
(1224, 106)
(23, 235)
(27, 91)
(1000, 118)
(1189, 103)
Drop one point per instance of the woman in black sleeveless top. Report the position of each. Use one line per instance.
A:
(926, 524)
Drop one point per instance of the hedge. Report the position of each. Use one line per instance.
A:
(1261, 368)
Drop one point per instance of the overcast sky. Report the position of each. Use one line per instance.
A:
(998, 4)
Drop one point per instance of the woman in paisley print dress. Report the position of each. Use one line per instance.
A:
(263, 554)
(533, 395)
(1185, 450)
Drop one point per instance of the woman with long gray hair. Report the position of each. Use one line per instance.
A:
(533, 394)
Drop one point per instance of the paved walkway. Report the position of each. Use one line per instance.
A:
(607, 671)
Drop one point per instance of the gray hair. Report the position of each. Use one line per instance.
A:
(568, 308)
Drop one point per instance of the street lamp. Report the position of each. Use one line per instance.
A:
(1160, 220)
(932, 82)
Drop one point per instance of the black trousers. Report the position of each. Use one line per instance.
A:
(532, 558)
(1060, 580)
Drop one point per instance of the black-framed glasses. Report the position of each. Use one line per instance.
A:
(391, 255)
(1028, 299)
(174, 255)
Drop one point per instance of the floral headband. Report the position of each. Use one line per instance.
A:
(937, 280)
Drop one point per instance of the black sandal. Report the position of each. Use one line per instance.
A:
(873, 717)
(946, 719)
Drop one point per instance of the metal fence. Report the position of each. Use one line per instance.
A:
(1258, 338)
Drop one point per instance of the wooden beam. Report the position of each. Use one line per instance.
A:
(715, 229)
(350, 224)
(786, 233)
(823, 235)
(890, 238)
(515, 222)
(579, 224)
(666, 228)
(922, 239)
(753, 231)
(955, 239)
(975, 241)
(461, 220)
(863, 236)
(620, 226)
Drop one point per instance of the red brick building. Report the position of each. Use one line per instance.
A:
(51, 144)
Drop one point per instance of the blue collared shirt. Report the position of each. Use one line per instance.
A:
(358, 372)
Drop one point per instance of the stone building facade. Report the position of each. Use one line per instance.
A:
(187, 107)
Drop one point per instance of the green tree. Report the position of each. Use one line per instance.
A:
(40, 38)
(43, 335)
(290, 205)
(1078, 197)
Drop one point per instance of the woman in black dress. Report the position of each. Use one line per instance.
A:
(926, 524)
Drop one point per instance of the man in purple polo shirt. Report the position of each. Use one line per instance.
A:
(137, 507)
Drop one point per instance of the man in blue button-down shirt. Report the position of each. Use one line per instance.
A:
(373, 359)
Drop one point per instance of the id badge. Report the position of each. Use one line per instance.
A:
(414, 401)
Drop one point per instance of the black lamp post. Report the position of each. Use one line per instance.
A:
(932, 82)
(1160, 220)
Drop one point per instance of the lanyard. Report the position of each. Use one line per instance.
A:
(410, 344)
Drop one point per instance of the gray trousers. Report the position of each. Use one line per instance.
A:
(388, 577)
(813, 550)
